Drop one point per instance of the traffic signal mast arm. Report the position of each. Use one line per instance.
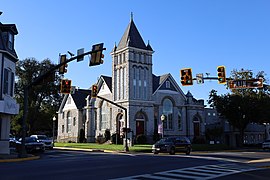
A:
(213, 78)
(40, 78)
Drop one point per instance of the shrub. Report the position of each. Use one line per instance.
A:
(107, 135)
(141, 139)
(82, 136)
(119, 140)
(198, 140)
(100, 139)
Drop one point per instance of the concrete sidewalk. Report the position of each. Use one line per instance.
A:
(13, 157)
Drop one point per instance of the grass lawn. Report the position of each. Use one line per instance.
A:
(137, 147)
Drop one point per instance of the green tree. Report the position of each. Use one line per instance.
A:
(242, 106)
(43, 99)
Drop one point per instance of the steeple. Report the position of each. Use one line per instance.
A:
(132, 37)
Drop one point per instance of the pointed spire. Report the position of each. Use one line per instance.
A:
(148, 47)
(115, 47)
(131, 16)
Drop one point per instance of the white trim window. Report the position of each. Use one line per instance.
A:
(168, 84)
(104, 119)
(10, 41)
(168, 111)
(8, 82)
(68, 121)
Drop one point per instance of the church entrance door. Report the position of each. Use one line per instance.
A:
(140, 123)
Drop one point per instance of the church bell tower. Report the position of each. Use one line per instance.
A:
(132, 67)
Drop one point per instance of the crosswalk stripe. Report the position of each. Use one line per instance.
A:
(197, 172)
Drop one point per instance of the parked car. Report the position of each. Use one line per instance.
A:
(266, 144)
(12, 140)
(43, 138)
(172, 145)
(31, 145)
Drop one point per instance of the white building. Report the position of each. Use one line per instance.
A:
(8, 105)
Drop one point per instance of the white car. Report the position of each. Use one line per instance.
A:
(266, 144)
(43, 138)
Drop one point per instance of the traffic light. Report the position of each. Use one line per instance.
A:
(65, 86)
(221, 74)
(63, 68)
(186, 77)
(94, 91)
(96, 55)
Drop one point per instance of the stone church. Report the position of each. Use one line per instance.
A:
(145, 96)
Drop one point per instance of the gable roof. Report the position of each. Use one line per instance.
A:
(108, 81)
(132, 38)
(79, 97)
(158, 82)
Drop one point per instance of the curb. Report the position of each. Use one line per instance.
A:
(89, 150)
(19, 159)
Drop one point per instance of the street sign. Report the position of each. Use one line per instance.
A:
(79, 53)
(249, 83)
(199, 78)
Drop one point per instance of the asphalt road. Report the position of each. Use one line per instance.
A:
(62, 164)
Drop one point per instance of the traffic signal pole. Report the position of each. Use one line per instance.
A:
(37, 81)
(126, 149)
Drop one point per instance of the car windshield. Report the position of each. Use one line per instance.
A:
(42, 137)
(30, 139)
(164, 140)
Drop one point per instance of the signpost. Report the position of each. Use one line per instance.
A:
(249, 83)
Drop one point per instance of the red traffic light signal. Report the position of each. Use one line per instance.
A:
(65, 86)
(221, 74)
(94, 91)
(63, 68)
(186, 77)
(96, 55)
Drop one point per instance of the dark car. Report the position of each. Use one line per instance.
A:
(31, 145)
(172, 145)
(12, 140)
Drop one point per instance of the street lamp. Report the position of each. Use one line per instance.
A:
(163, 118)
(54, 119)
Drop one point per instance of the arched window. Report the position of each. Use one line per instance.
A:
(68, 121)
(134, 82)
(104, 116)
(168, 111)
(140, 82)
(124, 83)
(179, 119)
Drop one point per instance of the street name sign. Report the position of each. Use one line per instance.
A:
(249, 83)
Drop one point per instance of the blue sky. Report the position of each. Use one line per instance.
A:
(197, 34)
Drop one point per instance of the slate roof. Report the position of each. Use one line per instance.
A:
(108, 81)
(79, 97)
(3, 38)
(157, 81)
(132, 38)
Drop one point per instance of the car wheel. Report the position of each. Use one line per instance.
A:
(172, 151)
(155, 152)
(188, 151)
